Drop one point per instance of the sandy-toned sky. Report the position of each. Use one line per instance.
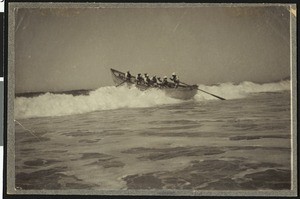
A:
(74, 48)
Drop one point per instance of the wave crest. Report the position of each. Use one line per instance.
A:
(110, 97)
(242, 90)
(104, 98)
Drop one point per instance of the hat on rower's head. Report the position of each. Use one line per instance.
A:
(173, 73)
(165, 77)
(139, 73)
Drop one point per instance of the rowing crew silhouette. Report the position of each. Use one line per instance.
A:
(153, 81)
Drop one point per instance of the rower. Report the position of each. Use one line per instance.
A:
(128, 76)
(159, 81)
(154, 81)
(146, 79)
(175, 79)
(165, 82)
(139, 78)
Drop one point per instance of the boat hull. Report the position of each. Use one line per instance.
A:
(182, 92)
(177, 93)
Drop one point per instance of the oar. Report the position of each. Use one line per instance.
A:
(121, 83)
(221, 98)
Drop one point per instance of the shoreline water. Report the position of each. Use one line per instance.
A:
(238, 144)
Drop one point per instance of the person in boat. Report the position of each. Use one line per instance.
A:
(165, 82)
(139, 79)
(158, 82)
(147, 79)
(154, 81)
(128, 76)
(175, 79)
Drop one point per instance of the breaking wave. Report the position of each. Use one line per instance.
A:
(106, 98)
(231, 91)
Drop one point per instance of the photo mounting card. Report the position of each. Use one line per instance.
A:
(222, 124)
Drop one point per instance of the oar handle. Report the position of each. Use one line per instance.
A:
(221, 98)
(121, 83)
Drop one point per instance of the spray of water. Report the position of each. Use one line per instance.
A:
(242, 90)
(107, 98)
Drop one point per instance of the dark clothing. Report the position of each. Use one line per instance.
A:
(158, 82)
(154, 81)
(165, 83)
(139, 79)
(128, 76)
(175, 79)
(147, 80)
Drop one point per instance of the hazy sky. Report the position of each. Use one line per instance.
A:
(74, 48)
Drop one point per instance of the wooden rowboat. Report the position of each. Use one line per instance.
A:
(183, 92)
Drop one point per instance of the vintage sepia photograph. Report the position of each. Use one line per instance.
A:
(152, 99)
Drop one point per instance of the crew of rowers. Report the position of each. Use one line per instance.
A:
(154, 81)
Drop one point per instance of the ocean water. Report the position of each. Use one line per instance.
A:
(121, 138)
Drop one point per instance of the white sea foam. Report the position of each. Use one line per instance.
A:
(106, 98)
(231, 91)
